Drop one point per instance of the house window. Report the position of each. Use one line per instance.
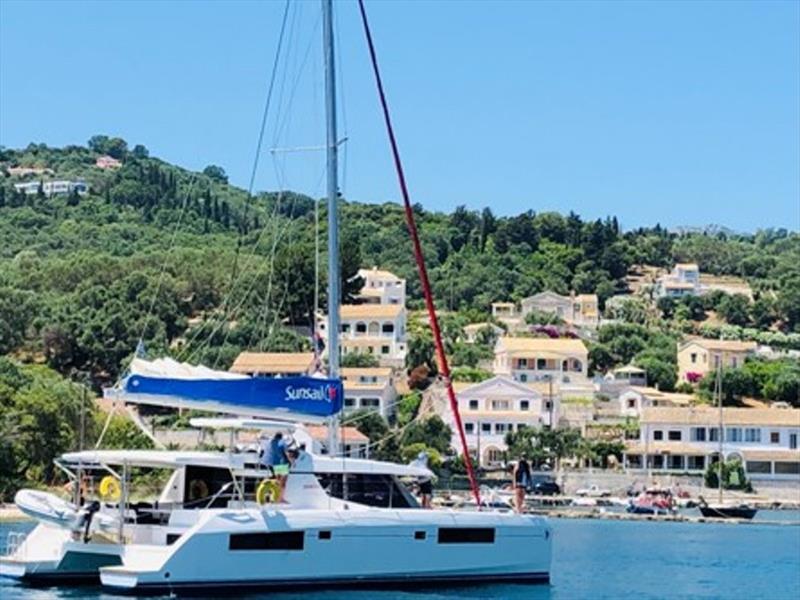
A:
(384, 349)
(500, 405)
(388, 328)
(693, 355)
(469, 427)
(733, 434)
(349, 402)
(752, 434)
(524, 405)
(713, 434)
(631, 402)
(698, 434)
(674, 436)
(361, 328)
(523, 378)
(548, 405)
(345, 327)
(370, 403)
(696, 463)
(658, 435)
(486, 427)
(522, 363)
(787, 468)
(541, 364)
(774, 437)
(473, 405)
(657, 461)
(676, 462)
(759, 466)
(500, 428)
(734, 362)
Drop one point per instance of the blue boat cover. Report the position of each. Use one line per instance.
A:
(313, 396)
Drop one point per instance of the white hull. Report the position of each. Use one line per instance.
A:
(379, 546)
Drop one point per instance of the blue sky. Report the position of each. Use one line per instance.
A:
(672, 112)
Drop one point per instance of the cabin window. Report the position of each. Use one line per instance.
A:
(324, 535)
(370, 489)
(466, 535)
(279, 540)
(419, 535)
(172, 538)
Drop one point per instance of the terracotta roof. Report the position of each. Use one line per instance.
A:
(587, 297)
(366, 341)
(708, 415)
(365, 371)
(371, 311)
(721, 345)
(273, 362)
(534, 346)
(687, 266)
(793, 455)
(346, 434)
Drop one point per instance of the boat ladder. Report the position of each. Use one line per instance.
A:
(13, 541)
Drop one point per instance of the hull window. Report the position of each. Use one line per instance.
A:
(466, 535)
(282, 540)
(324, 535)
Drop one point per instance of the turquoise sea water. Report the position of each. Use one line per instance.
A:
(598, 559)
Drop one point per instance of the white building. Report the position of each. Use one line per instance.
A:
(352, 442)
(580, 310)
(507, 314)
(53, 188)
(632, 400)
(491, 409)
(684, 280)
(473, 330)
(382, 287)
(563, 360)
(370, 388)
(377, 329)
(686, 440)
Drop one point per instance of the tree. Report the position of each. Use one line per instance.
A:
(139, 151)
(359, 360)
(216, 173)
(735, 309)
(432, 431)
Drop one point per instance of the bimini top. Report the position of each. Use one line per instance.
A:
(165, 382)
(176, 459)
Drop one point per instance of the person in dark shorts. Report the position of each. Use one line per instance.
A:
(425, 483)
(522, 481)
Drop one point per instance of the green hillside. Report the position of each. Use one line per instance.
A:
(196, 268)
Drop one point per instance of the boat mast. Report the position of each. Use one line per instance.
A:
(718, 387)
(333, 211)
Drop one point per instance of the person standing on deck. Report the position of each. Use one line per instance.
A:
(522, 480)
(279, 461)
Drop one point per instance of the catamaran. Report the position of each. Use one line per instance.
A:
(218, 522)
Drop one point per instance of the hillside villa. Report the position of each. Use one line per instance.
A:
(507, 313)
(377, 329)
(579, 310)
(471, 331)
(494, 407)
(382, 287)
(370, 388)
(697, 357)
(53, 188)
(686, 440)
(684, 280)
(525, 360)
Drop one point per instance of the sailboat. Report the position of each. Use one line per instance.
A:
(721, 509)
(218, 523)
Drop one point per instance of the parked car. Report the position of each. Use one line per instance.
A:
(545, 486)
(593, 491)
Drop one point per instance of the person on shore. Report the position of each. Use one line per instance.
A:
(522, 481)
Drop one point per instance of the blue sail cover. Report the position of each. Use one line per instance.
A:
(304, 395)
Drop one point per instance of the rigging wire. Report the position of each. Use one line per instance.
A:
(418, 254)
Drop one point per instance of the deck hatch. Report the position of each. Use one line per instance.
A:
(466, 535)
(279, 540)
